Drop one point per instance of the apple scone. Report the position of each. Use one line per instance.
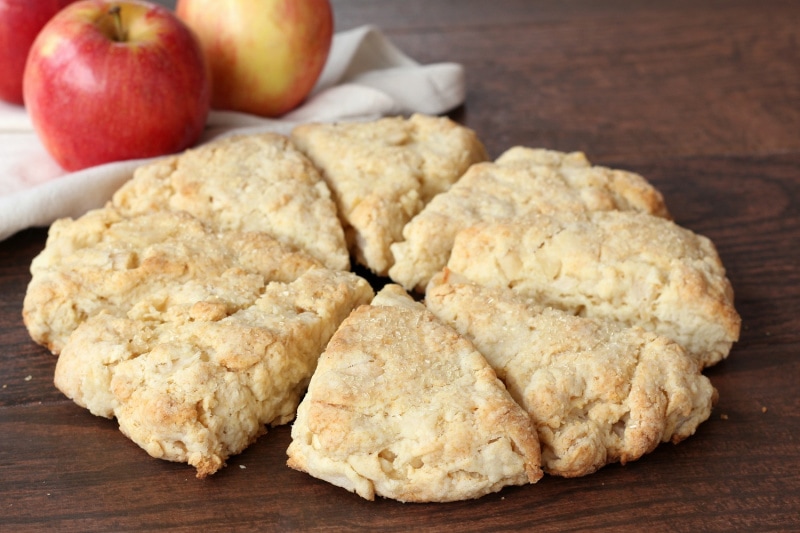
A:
(382, 173)
(403, 407)
(597, 392)
(630, 267)
(258, 182)
(565, 324)
(522, 181)
(200, 386)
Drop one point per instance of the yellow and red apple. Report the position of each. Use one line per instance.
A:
(264, 55)
(115, 80)
(20, 22)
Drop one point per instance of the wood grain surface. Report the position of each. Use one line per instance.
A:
(702, 98)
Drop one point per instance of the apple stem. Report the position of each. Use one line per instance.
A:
(115, 11)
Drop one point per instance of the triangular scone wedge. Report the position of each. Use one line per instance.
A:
(403, 407)
(597, 392)
(258, 182)
(157, 264)
(383, 172)
(198, 385)
(630, 267)
(521, 182)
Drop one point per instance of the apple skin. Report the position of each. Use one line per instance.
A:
(94, 99)
(265, 55)
(20, 22)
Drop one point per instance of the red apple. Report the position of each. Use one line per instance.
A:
(114, 80)
(265, 55)
(20, 22)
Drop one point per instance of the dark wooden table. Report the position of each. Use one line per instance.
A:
(702, 98)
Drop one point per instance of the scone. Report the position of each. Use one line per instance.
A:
(161, 263)
(200, 387)
(521, 182)
(630, 267)
(403, 407)
(245, 183)
(597, 392)
(383, 172)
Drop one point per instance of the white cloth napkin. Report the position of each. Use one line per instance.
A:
(366, 77)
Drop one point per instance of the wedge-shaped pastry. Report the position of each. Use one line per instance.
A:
(145, 267)
(597, 392)
(245, 183)
(383, 172)
(403, 407)
(521, 182)
(630, 267)
(198, 387)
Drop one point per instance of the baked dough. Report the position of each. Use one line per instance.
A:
(257, 182)
(597, 392)
(194, 308)
(403, 407)
(198, 387)
(521, 182)
(631, 267)
(383, 172)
